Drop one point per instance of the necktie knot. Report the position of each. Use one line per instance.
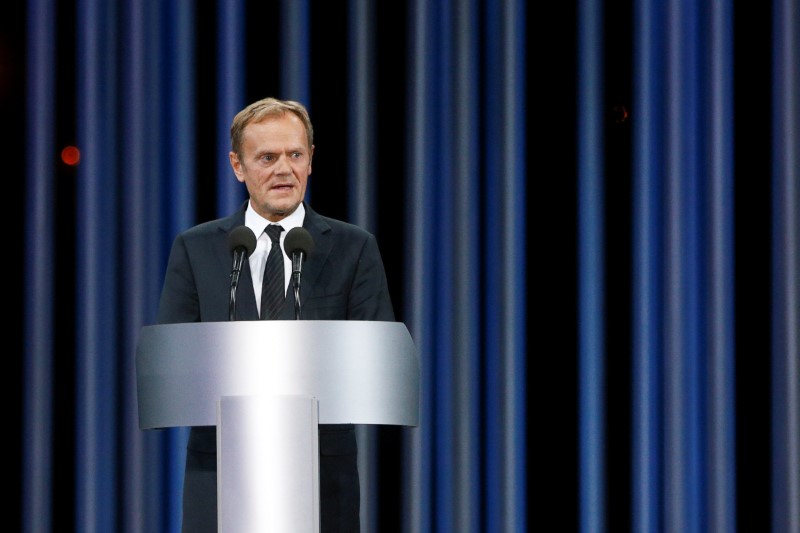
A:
(274, 232)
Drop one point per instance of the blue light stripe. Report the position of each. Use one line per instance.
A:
(362, 202)
(721, 409)
(465, 270)
(504, 348)
(175, 193)
(296, 58)
(230, 99)
(440, 165)
(493, 349)
(39, 268)
(295, 31)
(96, 291)
(181, 98)
(361, 115)
(420, 481)
(648, 249)
(514, 290)
(786, 265)
(685, 477)
(591, 269)
(136, 112)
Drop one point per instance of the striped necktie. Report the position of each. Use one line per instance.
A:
(272, 289)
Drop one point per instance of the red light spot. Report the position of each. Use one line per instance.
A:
(71, 156)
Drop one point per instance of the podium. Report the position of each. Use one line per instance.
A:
(266, 385)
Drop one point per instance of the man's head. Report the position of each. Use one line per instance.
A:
(271, 151)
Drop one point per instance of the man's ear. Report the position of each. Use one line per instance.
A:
(236, 165)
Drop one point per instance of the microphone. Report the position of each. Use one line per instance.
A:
(242, 244)
(297, 244)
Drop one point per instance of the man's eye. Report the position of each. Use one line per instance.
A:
(268, 157)
(297, 155)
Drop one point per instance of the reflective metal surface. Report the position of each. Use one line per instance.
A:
(361, 372)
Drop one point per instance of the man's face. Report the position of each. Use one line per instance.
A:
(275, 165)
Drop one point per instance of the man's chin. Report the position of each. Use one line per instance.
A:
(282, 209)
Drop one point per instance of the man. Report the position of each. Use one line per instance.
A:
(343, 279)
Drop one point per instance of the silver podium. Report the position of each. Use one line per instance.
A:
(288, 376)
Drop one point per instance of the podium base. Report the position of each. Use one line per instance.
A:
(268, 464)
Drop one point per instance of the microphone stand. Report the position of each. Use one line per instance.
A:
(296, 299)
(237, 268)
(232, 304)
(297, 260)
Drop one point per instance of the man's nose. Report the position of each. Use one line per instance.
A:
(283, 166)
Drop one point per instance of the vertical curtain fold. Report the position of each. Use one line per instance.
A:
(786, 265)
(40, 267)
(97, 301)
(685, 281)
(494, 354)
(591, 269)
(467, 392)
(137, 37)
(515, 291)
(505, 291)
(419, 505)
(295, 30)
(361, 112)
(683, 358)
(648, 279)
(156, 143)
(470, 324)
(180, 119)
(721, 321)
(440, 164)
(134, 486)
(295, 79)
(362, 201)
(176, 200)
(230, 98)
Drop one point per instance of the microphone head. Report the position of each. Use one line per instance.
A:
(298, 240)
(242, 237)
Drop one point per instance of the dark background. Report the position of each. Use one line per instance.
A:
(550, 114)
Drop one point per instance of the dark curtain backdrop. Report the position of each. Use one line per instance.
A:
(588, 213)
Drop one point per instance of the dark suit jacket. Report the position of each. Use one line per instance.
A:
(343, 279)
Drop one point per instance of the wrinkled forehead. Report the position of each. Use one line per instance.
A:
(275, 134)
(278, 119)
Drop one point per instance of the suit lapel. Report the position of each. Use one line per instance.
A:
(312, 267)
(245, 296)
(246, 308)
(320, 233)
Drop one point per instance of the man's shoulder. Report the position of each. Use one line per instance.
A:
(205, 228)
(346, 227)
(216, 227)
(338, 226)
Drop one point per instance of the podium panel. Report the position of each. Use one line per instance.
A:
(361, 372)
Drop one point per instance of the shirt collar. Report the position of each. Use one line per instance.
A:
(257, 223)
